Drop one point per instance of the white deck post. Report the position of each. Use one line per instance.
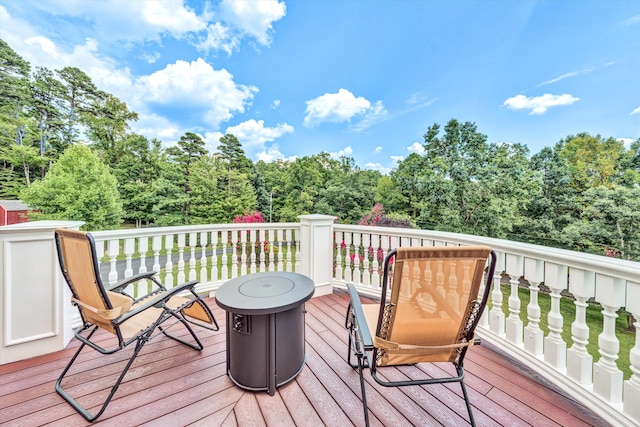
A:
(316, 251)
(35, 313)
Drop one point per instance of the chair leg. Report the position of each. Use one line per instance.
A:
(466, 397)
(362, 388)
(197, 346)
(74, 403)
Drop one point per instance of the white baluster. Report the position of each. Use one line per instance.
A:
(357, 247)
(579, 361)
(280, 263)
(193, 241)
(555, 349)
(350, 258)
(168, 266)
(339, 242)
(129, 247)
(533, 335)
(156, 246)
(113, 248)
(270, 251)
(226, 257)
(378, 252)
(366, 262)
(243, 253)
(143, 248)
(262, 247)
(496, 315)
(514, 327)
(100, 253)
(607, 378)
(632, 385)
(181, 244)
(251, 248)
(204, 243)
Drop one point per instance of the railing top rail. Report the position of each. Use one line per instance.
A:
(615, 267)
(154, 231)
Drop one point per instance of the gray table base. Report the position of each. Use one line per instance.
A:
(252, 360)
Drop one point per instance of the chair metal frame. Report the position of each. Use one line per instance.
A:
(158, 298)
(361, 343)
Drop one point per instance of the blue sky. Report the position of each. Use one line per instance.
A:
(358, 78)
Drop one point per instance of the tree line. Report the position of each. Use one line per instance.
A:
(67, 149)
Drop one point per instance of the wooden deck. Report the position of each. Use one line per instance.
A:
(172, 385)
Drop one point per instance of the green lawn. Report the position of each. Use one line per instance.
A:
(594, 320)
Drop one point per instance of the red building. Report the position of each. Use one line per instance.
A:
(13, 212)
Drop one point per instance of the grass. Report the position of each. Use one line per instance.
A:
(594, 320)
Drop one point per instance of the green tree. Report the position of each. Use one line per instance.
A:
(136, 170)
(108, 128)
(305, 178)
(47, 91)
(349, 191)
(231, 152)
(79, 100)
(593, 160)
(189, 149)
(610, 223)
(553, 206)
(78, 187)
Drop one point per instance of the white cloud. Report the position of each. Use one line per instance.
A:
(218, 36)
(377, 150)
(253, 18)
(378, 167)
(151, 57)
(636, 111)
(273, 153)
(154, 126)
(539, 104)
(275, 104)
(373, 115)
(253, 136)
(335, 108)
(346, 152)
(626, 141)
(397, 159)
(416, 147)
(198, 86)
(130, 21)
(631, 21)
(562, 77)
(212, 140)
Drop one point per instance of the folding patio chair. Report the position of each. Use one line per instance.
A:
(131, 320)
(430, 315)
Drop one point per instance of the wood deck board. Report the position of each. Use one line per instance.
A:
(170, 384)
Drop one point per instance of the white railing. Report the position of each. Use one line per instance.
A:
(210, 254)
(579, 278)
(333, 255)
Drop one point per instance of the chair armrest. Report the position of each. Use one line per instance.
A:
(132, 279)
(156, 300)
(361, 320)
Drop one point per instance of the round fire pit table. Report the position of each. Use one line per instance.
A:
(265, 327)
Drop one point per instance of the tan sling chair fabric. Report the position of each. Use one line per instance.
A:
(432, 293)
(130, 320)
(430, 305)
